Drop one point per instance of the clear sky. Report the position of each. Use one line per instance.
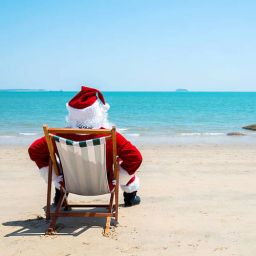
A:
(127, 45)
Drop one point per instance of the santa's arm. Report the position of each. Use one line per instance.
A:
(130, 156)
(39, 153)
(130, 161)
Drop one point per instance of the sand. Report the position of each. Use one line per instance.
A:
(196, 200)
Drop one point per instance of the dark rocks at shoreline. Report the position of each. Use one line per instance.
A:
(251, 127)
(236, 134)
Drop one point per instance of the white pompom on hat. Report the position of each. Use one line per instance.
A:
(86, 111)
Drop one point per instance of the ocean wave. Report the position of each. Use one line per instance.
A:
(16, 139)
(133, 134)
(202, 134)
(213, 133)
(28, 133)
(6, 136)
(122, 129)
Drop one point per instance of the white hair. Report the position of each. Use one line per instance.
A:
(92, 117)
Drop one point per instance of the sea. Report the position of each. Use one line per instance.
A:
(142, 117)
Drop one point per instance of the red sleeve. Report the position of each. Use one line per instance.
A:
(129, 154)
(38, 152)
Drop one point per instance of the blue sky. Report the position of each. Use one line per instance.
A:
(128, 45)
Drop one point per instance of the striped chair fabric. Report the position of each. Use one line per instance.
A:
(84, 165)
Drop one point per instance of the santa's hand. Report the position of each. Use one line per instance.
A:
(56, 181)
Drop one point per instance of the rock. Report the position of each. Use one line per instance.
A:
(251, 127)
(236, 134)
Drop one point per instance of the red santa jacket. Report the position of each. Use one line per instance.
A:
(129, 155)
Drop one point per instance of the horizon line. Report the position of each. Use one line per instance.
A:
(61, 90)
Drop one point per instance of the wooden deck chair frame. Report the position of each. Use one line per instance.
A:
(63, 202)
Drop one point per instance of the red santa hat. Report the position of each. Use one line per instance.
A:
(87, 109)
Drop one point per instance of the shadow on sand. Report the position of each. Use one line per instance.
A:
(65, 226)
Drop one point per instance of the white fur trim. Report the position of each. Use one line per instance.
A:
(44, 173)
(132, 187)
(94, 116)
(55, 179)
(124, 176)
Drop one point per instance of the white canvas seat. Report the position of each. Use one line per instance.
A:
(84, 166)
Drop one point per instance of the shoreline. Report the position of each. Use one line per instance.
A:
(154, 139)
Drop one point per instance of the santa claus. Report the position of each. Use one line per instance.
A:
(88, 109)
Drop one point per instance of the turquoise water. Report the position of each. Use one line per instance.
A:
(139, 115)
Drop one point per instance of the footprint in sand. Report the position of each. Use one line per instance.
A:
(222, 248)
(193, 245)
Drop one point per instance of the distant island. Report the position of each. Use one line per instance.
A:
(181, 90)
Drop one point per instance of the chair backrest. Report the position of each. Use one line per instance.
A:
(83, 162)
(84, 165)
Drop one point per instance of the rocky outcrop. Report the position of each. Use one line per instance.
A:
(236, 134)
(251, 127)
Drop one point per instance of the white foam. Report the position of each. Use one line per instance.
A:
(213, 133)
(190, 134)
(15, 140)
(122, 129)
(133, 134)
(202, 134)
(27, 133)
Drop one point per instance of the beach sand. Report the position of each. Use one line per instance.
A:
(196, 200)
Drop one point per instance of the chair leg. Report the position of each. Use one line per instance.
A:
(107, 228)
(116, 205)
(48, 216)
(51, 228)
(111, 202)
(108, 219)
(65, 204)
(49, 187)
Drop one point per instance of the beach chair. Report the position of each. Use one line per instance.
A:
(83, 166)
